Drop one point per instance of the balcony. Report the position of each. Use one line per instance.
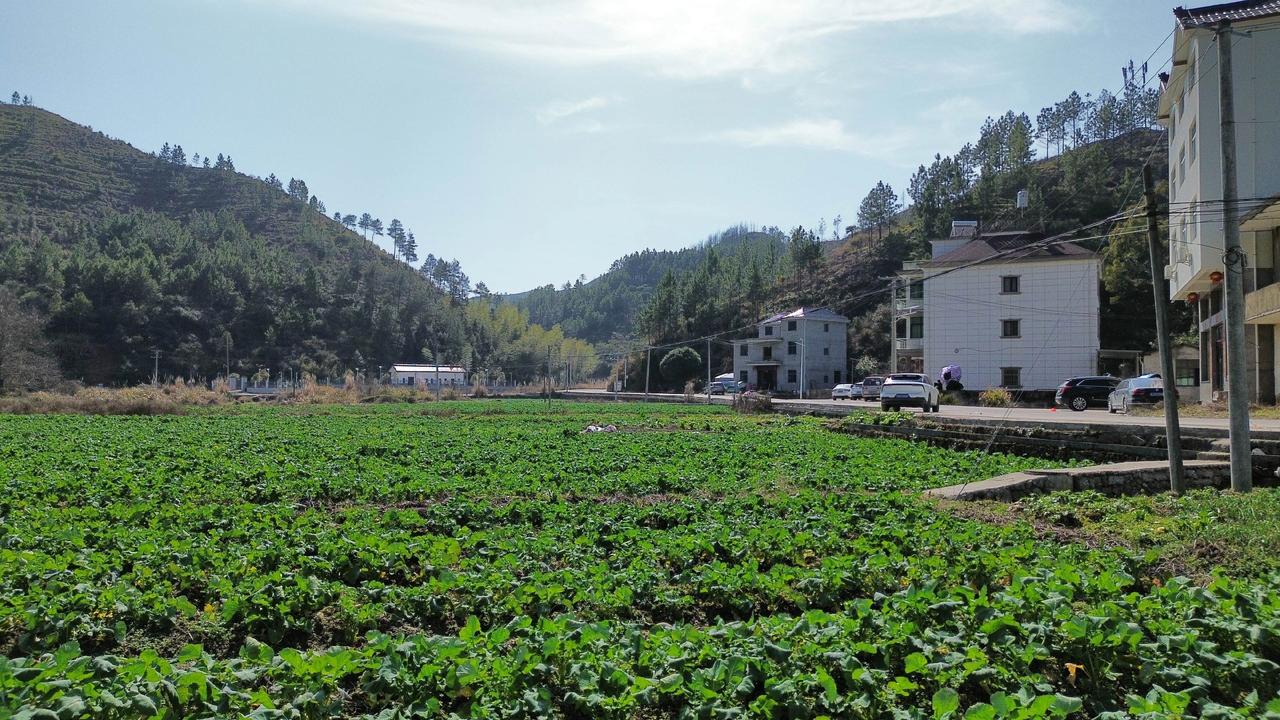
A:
(908, 306)
(1262, 306)
(909, 344)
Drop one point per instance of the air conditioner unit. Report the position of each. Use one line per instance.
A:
(1168, 272)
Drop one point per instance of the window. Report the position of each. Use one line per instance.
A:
(826, 351)
(1191, 141)
(791, 325)
(916, 330)
(1173, 177)
(917, 290)
(826, 327)
(824, 379)
(742, 349)
(791, 348)
(742, 376)
(1191, 73)
(768, 353)
(1011, 377)
(768, 329)
(791, 376)
(1010, 328)
(1010, 285)
(1182, 163)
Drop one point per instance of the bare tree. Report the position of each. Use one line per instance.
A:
(26, 360)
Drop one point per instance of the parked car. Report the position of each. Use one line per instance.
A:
(871, 387)
(720, 387)
(909, 390)
(1144, 390)
(856, 389)
(1078, 393)
(843, 391)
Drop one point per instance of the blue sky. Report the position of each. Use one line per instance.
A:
(538, 141)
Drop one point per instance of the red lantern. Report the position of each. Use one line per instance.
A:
(1193, 298)
(1215, 277)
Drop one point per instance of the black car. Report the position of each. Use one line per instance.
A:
(1079, 393)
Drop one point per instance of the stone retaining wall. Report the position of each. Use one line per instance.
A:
(1127, 478)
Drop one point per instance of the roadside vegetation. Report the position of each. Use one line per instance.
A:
(494, 559)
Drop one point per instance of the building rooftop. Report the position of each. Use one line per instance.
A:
(1002, 246)
(820, 313)
(1211, 15)
(428, 368)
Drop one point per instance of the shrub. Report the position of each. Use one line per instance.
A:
(479, 391)
(680, 365)
(995, 397)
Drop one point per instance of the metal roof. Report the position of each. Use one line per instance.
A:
(1211, 15)
(428, 368)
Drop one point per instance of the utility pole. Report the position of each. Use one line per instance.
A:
(155, 372)
(435, 353)
(804, 335)
(547, 383)
(648, 356)
(623, 384)
(1173, 434)
(226, 337)
(893, 326)
(708, 371)
(1233, 259)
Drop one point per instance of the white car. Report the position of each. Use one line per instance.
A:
(909, 390)
(844, 391)
(1143, 390)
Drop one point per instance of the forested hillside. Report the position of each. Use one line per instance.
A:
(121, 253)
(611, 304)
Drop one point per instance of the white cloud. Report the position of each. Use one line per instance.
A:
(823, 134)
(686, 38)
(558, 110)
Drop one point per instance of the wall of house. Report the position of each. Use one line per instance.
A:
(827, 354)
(1197, 235)
(1057, 307)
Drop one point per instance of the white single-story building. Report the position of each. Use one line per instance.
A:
(429, 375)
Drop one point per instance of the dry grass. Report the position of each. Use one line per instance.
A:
(173, 399)
(1209, 410)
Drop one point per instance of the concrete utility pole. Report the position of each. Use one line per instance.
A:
(1173, 434)
(623, 384)
(893, 326)
(1233, 258)
(804, 325)
(547, 383)
(708, 371)
(648, 357)
(155, 372)
(435, 353)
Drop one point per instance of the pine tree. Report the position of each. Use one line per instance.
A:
(166, 153)
(274, 182)
(376, 228)
(298, 190)
(349, 221)
(365, 224)
(878, 208)
(410, 248)
(178, 156)
(26, 100)
(396, 232)
(206, 161)
(15, 98)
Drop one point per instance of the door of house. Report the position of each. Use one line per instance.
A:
(766, 378)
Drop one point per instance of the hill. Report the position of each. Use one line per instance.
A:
(123, 253)
(610, 304)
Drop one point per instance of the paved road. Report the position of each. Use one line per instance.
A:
(1038, 415)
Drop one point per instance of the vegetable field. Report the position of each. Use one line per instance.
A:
(489, 560)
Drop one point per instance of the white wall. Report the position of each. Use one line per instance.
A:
(1057, 307)
(1255, 60)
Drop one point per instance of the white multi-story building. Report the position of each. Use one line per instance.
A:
(1190, 110)
(1009, 317)
(805, 348)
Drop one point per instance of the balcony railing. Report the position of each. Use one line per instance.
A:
(1262, 306)
(910, 344)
